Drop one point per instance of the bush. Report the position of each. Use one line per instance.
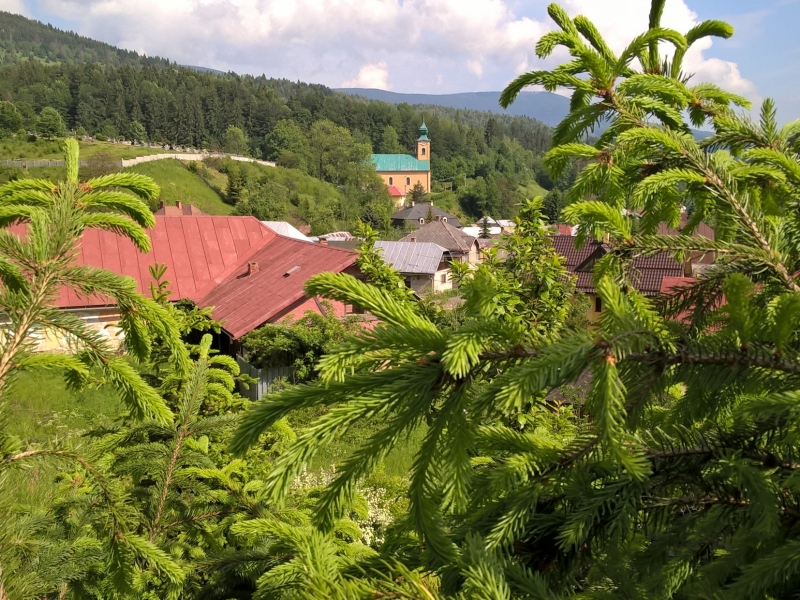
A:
(101, 137)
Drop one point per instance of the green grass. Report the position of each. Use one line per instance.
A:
(178, 183)
(21, 149)
(43, 413)
(532, 189)
(42, 409)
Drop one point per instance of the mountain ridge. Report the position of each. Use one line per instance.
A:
(546, 107)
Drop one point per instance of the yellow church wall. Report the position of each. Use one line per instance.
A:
(406, 180)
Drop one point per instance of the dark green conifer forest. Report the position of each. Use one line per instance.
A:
(669, 470)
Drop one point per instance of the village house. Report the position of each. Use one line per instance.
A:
(460, 247)
(419, 214)
(646, 274)
(238, 265)
(424, 266)
(404, 171)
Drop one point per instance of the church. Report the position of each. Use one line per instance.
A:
(404, 171)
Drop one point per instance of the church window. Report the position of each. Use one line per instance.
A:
(423, 151)
(391, 180)
(408, 180)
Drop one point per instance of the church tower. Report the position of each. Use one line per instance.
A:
(423, 143)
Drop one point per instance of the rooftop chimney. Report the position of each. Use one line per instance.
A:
(252, 267)
(323, 242)
(414, 239)
(438, 217)
(179, 204)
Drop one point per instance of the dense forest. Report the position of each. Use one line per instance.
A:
(486, 159)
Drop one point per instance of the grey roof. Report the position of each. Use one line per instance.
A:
(444, 234)
(412, 257)
(420, 211)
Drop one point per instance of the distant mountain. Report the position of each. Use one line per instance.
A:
(542, 106)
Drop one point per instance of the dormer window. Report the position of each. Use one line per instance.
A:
(444, 219)
(422, 221)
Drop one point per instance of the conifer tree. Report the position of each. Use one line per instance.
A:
(680, 479)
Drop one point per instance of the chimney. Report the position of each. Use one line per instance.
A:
(323, 242)
(163, 204)
(438, 217)
(252, 267)
(179, 204)
(414, 239)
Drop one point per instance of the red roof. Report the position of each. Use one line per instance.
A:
(195, 250)
(393, 191)
(563, 229)
(207, 257)
(245, 301)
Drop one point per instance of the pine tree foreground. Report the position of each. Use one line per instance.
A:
(679, 476)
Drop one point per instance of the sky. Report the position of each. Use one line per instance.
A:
(427, 46)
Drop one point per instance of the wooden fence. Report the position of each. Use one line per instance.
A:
(267, 379)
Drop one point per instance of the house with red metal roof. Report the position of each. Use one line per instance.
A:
(247, 272)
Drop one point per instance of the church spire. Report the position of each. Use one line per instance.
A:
(423, 131)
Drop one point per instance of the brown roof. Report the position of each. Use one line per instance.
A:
(420, 211)
(441, 233)
(245, 299)
(645, 272)
(179, 210)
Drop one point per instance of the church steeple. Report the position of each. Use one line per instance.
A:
(423, 131)
(423, 143)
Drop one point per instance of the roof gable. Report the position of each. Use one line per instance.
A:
(420, 211)
(244, 300)
(443, 234)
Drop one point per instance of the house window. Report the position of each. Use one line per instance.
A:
(598, 305)
(391, 180)
(408, 180)
(423, 151)
(443, 278)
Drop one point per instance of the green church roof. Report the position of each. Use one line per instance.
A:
(399, 162)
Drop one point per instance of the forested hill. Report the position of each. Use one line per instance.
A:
(542, 106)
(25, 39)
(52, 82)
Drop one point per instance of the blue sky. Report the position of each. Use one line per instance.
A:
(431, 46)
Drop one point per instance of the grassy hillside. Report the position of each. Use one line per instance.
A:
(532, 189)
(179, 184)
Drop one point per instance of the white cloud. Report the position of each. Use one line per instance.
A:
(371, 76)
(620, 20)
(13, 6)
(475, 44)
